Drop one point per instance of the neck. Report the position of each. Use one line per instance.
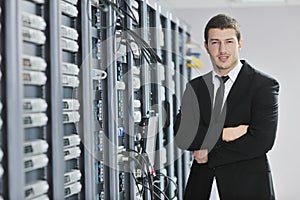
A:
(222, 72)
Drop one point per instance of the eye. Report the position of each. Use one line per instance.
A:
(214, 42)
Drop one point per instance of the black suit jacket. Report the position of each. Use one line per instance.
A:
(252, 100)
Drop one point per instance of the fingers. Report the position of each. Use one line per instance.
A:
(201, 156)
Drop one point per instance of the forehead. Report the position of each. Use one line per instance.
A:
(221, 34)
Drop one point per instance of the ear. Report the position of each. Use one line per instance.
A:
(240, 43)
(206, 47)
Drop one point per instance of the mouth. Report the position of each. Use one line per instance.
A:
(223, 58)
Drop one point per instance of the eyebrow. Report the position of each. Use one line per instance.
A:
(215, 39)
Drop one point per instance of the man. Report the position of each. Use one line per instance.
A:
(229, 143)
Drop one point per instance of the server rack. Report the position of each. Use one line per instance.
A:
(2, 161)
(82, 87)
(13, 122)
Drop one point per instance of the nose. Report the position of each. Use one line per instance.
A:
(222, 48)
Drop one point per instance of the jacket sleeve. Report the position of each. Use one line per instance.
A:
(261, 132)
(188, 127)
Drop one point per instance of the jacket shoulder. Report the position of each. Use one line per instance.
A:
(260, 77)
(196, 82)
(264, 79)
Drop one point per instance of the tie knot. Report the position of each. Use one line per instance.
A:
(225, 78)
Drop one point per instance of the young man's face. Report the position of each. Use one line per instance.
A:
(223, 48)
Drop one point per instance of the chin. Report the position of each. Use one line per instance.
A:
(220, 67)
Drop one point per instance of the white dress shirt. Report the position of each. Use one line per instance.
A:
(214, 195)
(229, 83)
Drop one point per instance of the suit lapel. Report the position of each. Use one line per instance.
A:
(240, 86)
(210, 86)
(207, 107)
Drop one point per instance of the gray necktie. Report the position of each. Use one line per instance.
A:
(219, 96)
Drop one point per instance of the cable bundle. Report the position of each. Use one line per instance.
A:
(147, 51)
(148, 180)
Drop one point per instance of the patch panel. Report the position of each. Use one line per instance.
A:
(69, 68)
(137, 116)
(71, 140)
(34, 78)
(35, 147)
(72, 176)
(136, 83)
(34, 63)
(35, 162)
(34, 105)
(70, 104)
(72, 153)
(120, 85)
(33, 21)
(136, 70)
(72, 189)
(70, 81)
(69, 45)
(137, 103)
(34, 120)
(71, 117)
(68, 9)
(69, 32)
(122, 51)
(33, 35)
(36, 189)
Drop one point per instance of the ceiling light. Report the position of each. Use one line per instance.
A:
(261, 1)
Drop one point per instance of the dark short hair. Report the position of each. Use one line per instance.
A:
(222, 21)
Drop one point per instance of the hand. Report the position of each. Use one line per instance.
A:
(233, 133)
(201, 156)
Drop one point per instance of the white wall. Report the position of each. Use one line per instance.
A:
(271, 38)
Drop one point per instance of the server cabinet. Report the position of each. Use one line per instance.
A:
(13, 132)
(2, 139)
(89, 92)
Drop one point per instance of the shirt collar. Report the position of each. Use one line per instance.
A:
(232, 74)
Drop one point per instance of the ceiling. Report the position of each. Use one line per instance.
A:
(187, 4)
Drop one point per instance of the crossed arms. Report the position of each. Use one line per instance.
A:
(229, 134)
